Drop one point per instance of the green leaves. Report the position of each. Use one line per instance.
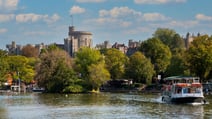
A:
(54, 71)
(98, 75)
(85, 57)
(115, 62)
(199, 56)
(140, 68)
(157, 52)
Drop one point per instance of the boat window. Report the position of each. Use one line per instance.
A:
(196, 81)
(186, 90)
(178, 90)
(198, 90)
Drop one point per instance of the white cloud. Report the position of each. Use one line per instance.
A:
(8, 4)
(6, 17)
(52, 19)
(157, 1)
(138, 29)
(3, 30)
(31, 17)
(202, 17)
(124, 17)
(154, 17)
(183, 24)
(119, 12)
(87, 1)
(125, 24)
(77, 10)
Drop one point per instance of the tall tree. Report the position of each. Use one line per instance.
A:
(170, 38)
(30, 51)
(85, 58)
(199, 56)
(98, 75)
(3, 65)
(54, 71)
(21, 68)
(140, 69)
(177, 65)
(115, 62)
(158, 53)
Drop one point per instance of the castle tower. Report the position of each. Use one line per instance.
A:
(77, 40)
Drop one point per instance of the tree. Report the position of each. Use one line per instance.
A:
(3, 65)
(85, 57)
(98, 75)
(21, 67)
(140, 68)
(170, 38)
(177, 66)
(199, 56)
(157, 52)
(55, 72)
(115, 63)
(30, 51)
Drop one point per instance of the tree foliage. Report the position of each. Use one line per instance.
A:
(140, 69)
(157, 52)
(98, 75)
(3, 65)
(21, 67)
(30, 51)
(199, 56)
(85, 57)
(170, 38)
(177, 66)
(115, 63)
(54, 71)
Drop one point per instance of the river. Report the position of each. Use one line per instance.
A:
(97, 106)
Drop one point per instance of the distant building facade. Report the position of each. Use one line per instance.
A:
(133, 47)
(189, 38)
(106, 45)
(77, 40)
(14, 49)
(120, 47)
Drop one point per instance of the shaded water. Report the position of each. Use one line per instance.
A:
(97, 106)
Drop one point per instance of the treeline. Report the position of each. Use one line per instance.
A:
(165, 54)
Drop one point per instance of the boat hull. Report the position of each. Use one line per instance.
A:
(187, 100)
(183, 100)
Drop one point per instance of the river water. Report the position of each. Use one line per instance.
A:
(98, 106)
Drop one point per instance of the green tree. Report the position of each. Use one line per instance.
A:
(21, 68)
(98, 75)
(85, 57)
(158, 53)
(3, 65)
(140, 69)
(170, 38)
(199, 56)
(177, 66)
(55, 72)
(115, 63)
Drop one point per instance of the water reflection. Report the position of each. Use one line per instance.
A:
(95, 106)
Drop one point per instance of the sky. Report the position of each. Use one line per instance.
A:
(47, 21)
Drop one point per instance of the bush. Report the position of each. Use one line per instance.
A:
(73, 89)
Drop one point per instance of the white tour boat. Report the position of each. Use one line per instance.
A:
(181, 89)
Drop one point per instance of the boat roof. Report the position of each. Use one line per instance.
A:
(180, 78)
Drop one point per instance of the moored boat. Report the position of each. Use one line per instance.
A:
(181, 89)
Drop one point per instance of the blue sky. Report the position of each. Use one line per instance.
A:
(47, 21)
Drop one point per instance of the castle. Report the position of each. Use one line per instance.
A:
(77, 40)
